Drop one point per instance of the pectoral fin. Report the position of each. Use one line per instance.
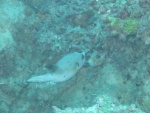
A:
(52, 68)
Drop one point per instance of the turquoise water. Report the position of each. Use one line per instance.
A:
(37, 35)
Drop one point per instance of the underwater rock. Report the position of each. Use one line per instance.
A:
(3, 107)
(143, 31)
(84, 18)
(6, 39)
(103, 105)
(96, 59)
(11, 12)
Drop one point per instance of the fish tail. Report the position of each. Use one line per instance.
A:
(42, 78)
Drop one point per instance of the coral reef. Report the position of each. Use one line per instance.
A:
(103, 105)
(115, 35)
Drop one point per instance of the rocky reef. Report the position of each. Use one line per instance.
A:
(103, 105)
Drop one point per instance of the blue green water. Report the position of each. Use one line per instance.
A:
(36, 34)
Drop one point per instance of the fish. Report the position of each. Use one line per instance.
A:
(63, 70)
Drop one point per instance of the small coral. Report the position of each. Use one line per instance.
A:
(128, 25)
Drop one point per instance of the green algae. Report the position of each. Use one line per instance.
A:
(128, 25)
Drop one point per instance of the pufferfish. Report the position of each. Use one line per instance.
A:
(63, 70)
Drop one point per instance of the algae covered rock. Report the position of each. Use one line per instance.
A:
(128, 25)
(6, 39)
(103, 105)
(10, 12)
